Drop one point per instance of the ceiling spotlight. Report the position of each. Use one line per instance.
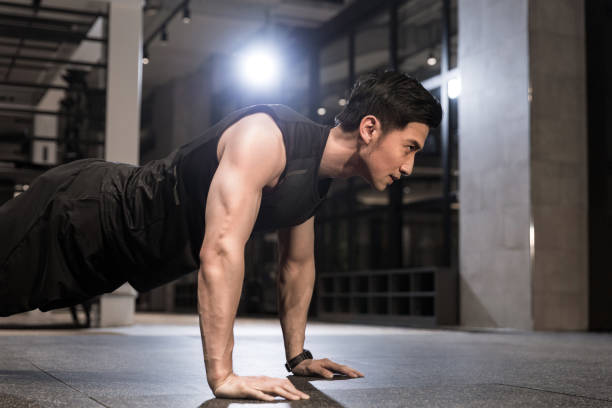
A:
(431, 60)
(145, 57)
(321, 111)
(260, 67)
(164, 36)
(186, 15)
(342, 102)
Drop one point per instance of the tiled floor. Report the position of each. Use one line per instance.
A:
(158, 363)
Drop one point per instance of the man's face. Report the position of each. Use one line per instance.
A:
(389, 156)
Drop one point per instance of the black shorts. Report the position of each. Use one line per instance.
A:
(53, 241)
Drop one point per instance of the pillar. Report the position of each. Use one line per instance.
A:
(523, 164)
(123, 92)
(124, 79)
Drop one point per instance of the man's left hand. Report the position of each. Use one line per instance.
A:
(324, 368)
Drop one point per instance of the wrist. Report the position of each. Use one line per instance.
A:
(215, 381)
(298, 359)
(292, 352)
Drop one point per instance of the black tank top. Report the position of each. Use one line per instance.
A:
(158, 224)
(294, 199)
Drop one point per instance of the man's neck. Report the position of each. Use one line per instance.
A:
(340, 157)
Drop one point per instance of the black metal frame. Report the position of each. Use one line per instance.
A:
(344, 23)
(598, 16)
(60, 10)
(50, 34)
(164, 24)
(37, 86)
(53, 60)
(47, 21)
(29, 47)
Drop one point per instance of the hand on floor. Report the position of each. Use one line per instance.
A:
(324, 368)
(261, 388)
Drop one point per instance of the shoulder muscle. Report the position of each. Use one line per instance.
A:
(254, 145)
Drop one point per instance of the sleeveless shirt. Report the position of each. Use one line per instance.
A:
(105, 223)
(179, 184)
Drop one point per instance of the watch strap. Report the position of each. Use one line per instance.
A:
(304, 355)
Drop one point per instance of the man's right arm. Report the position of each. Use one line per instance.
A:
(249, 161)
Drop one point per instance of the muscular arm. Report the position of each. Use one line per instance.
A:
(252, 156)
(231, 210)
(296, 279)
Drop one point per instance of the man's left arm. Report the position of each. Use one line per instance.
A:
(296, 277)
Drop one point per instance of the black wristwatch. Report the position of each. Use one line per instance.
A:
(304, 355)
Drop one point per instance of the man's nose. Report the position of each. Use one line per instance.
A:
(406, 169)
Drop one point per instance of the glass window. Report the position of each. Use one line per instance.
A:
(424, 186)
(454, 132)
(420, 38)
(362, 244)
(342, 246)
(367, 198)
(453, 34)
(372, 45)
(431, 155)
(333, 79)
(295, 87)
(422, 238)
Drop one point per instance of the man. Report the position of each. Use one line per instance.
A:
(87, 227)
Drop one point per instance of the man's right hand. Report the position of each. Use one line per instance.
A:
(260, 388)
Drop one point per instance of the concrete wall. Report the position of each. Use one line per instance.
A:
(559, 163)
(180, 112)
(523, 164)
(495, 281)
(124, 81)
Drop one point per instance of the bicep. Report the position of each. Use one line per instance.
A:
(231, 210)
(296, 244)
(248, 163)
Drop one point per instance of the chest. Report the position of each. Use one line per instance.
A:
(293, 200)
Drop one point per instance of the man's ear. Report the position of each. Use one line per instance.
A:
(369, 129)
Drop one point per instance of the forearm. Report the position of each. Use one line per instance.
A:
(219, 286)
(295, 285)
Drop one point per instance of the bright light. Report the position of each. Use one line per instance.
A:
(186, 15)
(145, 60)
(259, 67)
(342, 102)
(454, 88)
(431, 61)
(321, 111)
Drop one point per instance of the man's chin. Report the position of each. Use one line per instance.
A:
(377, 186)
(381, 186)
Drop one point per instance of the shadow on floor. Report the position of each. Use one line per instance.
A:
(317, 398)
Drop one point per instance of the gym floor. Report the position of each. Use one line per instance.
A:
(158, 363)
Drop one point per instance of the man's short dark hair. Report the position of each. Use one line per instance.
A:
(395, 98)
